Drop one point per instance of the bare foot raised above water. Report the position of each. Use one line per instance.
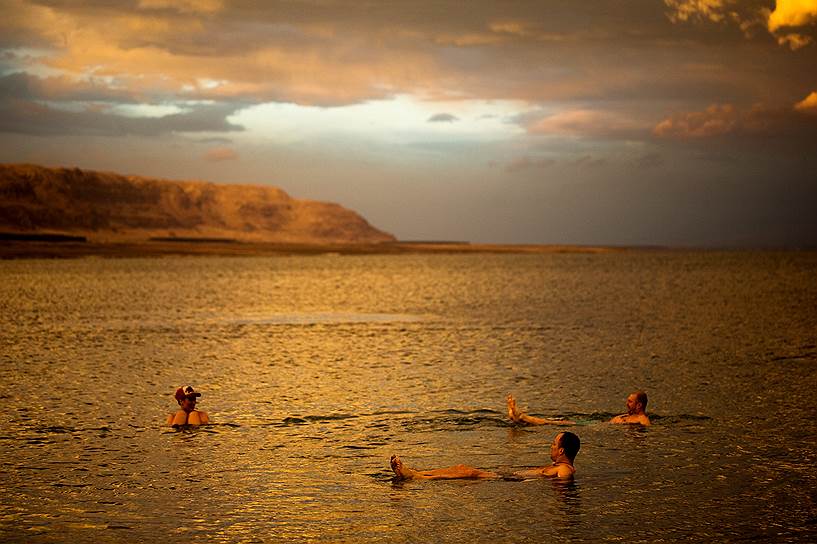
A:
(401, 472)
(456, 472)
(518, 416)
(513, 411)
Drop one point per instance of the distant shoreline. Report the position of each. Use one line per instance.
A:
(69, 249)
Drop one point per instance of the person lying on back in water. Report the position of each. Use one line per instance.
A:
(563, 452)
(518, 416)
(636, 404)
(187, 414)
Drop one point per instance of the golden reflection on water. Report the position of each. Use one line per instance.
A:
(314, 371)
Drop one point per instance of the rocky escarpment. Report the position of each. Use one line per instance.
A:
(108, 207)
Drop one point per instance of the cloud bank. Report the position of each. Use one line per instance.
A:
(780, 22)
(546, 105)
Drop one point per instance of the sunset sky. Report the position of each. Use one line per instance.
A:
(663, 122)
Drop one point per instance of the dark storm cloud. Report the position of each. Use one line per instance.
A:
(27, 87)
(28, 117)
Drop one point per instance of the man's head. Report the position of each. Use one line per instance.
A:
(186, 396)
(566, 444)
(637, 403)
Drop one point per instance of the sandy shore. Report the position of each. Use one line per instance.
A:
(67, 250)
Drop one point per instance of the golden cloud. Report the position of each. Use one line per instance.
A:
(684, 10)
(587, 123)
(792, 13)
(794, 41)
(332, 54)
(808, 104)
(163, 54)
(40, 23)
(716, 120)
(170, 48)
(725, 119)
(184, 6)
(469, 39)
(787, 14)
(518, 28)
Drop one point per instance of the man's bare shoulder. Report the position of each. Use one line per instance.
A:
(561, 470)
(198, 418)
(644, 419)
(636, 419)
(177, 418)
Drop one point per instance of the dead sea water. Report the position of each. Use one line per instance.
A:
(316, 369)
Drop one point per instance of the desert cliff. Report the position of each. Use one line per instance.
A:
(109, 207)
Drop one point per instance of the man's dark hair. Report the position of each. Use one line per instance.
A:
(641, 396)
(571, 444)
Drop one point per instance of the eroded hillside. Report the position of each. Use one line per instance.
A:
(108, 207)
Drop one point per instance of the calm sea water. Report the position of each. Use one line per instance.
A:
(316, 369)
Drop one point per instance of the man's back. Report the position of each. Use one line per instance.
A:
(181, 417)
